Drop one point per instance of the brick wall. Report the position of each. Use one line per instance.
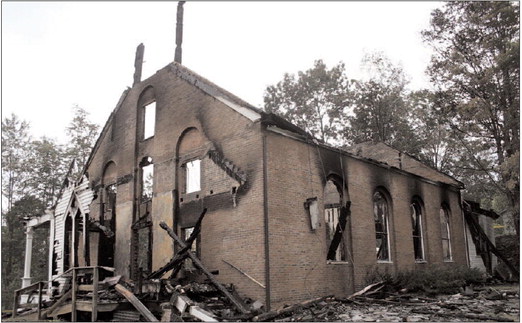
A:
(298, 266)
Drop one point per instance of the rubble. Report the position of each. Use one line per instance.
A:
(385, 307)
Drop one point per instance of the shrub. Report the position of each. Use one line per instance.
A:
(432, 280)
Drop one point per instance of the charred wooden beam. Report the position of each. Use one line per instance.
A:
(201, 267)
(482, 242)
(337, 238)
(136, 303)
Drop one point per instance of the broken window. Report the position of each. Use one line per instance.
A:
(381, 216)
(147, 178)
(335, 222)
(416, 222)
(150, 120)
(193, 178)
(445, 233)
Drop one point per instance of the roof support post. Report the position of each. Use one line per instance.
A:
(26, 280)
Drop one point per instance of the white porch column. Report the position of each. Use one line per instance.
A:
(26, 280)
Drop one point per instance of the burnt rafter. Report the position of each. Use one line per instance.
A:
(181, 255)
(228, 166)
(337, 238)
(482, 243)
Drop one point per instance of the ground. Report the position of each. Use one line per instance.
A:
(491, 303)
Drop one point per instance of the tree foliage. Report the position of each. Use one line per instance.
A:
(33, 172)
(15, 141)
(380, 112)
(82, 135)
(315, 100)
(476, 69)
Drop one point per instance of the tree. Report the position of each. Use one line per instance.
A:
(438, 148)
(82, 133)
(47, 159)
(315, 100)
(15, 139)
(380, 109)
(476, 68)
(13, 246)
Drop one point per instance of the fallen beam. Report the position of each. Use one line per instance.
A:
(201, 267)
(136, 303)
(202, 315)
(272, 314)
(57, 304)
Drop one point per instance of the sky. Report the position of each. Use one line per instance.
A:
(59, 54)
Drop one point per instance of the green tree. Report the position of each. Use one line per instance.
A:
(13, 246)
(15, 140)
(380, 108)
(47, 160)
(438, 148)
(476, 68)
(82, 135)
(315, 100)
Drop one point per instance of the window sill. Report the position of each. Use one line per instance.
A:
(384, 262)
(333, 262)
(421, 262)
(448, 260)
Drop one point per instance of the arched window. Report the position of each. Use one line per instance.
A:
(147, 178)
(445, 233)
(335, 222)
(147, 113)
(381, 214)
(416, 223)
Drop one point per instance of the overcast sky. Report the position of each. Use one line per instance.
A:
(58, 54)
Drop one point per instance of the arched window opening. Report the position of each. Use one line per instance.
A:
(445, 233)
(335, 220)
(147, 178)
(149, 112)
(381, 214)
(417, 231)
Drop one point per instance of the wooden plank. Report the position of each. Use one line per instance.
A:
(182, 303)
(202, 315)
(15, 303)
(60, 301)
(136, 303)
(201, 267)
(40, 286)
(272, 314)
(73, 296)
(95, 278)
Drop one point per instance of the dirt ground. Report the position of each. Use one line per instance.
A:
(499, 303)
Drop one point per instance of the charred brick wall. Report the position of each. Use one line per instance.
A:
(298, 266)
(233, 226)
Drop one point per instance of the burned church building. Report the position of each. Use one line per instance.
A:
(288, 217)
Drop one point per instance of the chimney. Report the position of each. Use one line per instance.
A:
(179, 32)
(138, 63)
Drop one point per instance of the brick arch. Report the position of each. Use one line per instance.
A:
(147, 96)
(190, 139)
(110, 173)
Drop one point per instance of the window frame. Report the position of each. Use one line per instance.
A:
(417, 209)
(386, 218)
(151, 107)
(187, 176)
(444, 214)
